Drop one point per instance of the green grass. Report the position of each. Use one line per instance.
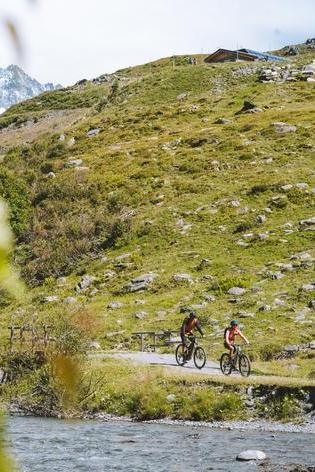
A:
(160, 181)
(146, 393)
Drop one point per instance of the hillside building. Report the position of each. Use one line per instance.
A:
(226, 55)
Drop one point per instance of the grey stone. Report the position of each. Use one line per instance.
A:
(244, 314)
(81, 169)
(51, 175)
(283, 128)
(109, 274)
(71, 142)
(204, 263)
(248, 106)
(250, 403)
(171, 398)
(148, 278)
(310, 68)
(183, 278)
(312, 345)
(286, 187)
(70, 301)
(140, 283)
(264, 307)
(302, 185)
(285, 267)
(309, 221)
(302, 256)
(255, 110)
(61, 281)
(209, 298)
(302, 313)
(181, 97)
(95, 346)
(278, 302)
(140, 315)
(292, 348)
(274, 275)
(74, 163)
(261, 218)
(115, 333)
(51, 299)
(93, 132)
(312, 304)
(161, 313)
(123, 256)
(62, 137)
(234, 300)
(251, 455)
(222, 121)
(236, 291)
(308, 287)
(198, 306)
(263, 236)
(139, 302)
(85, 282)
(114, 305)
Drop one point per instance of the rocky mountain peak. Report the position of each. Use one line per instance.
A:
(16, 86)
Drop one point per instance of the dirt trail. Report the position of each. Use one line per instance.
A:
(166, 360)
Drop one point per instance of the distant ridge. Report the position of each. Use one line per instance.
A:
(16, 86)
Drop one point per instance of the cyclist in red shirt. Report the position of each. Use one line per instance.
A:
(229, 336)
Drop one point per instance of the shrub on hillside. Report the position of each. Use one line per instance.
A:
(15, 193)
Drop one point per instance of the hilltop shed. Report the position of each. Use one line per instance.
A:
(226, 55)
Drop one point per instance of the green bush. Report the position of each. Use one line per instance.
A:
(284, 408)
(228, 406)
(15, 193)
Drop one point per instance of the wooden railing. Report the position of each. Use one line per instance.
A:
(154, 339)
(29, 336)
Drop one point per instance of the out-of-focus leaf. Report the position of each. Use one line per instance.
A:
(14, 35)
(8, 278)
(6, 464)
(67, 374)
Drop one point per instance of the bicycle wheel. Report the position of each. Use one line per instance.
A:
(199, 357)
(244, 365)
(225, 364)
(180, 354)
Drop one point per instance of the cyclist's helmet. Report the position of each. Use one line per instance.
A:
(234, 323)
(193, 314)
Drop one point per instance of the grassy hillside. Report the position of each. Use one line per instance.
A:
(161, 188)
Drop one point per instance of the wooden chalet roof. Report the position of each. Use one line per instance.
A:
(222, 55)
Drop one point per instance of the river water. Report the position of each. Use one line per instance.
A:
(48, 445)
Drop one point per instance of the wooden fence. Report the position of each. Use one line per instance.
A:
(28, 336)
(154, 339)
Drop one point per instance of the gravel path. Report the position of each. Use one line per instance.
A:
(164, 360)
(168, 362)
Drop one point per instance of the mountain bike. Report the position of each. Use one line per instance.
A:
(239, 362)
(184, 353)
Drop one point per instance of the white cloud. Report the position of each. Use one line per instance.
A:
(66, 40)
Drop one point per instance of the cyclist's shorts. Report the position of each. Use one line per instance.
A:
(228, 347)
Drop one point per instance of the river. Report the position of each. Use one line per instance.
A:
(49, 445)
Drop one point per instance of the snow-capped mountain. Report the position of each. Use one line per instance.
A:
(16, 86)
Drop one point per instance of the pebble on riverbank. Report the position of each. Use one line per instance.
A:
(251, 455)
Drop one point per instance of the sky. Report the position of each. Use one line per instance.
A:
(68, 40)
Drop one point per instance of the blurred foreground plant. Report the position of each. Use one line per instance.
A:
(10, 282)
